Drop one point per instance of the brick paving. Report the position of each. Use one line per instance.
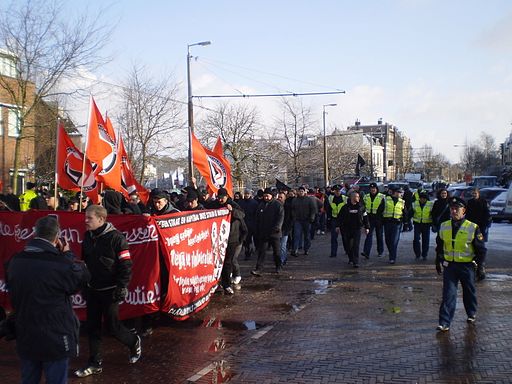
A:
(322, 321)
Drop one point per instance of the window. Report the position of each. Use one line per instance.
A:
(7, 67)
(13, 123)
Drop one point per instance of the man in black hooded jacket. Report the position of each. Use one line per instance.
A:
(41, 280)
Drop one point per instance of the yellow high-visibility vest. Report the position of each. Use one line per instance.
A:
(372, 206)
(392, 210)
(461, 248)
(422, 215)
(336, 208)
(26, 198)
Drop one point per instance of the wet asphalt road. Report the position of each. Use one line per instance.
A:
(321, 321)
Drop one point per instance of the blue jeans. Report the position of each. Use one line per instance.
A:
(375, 225)
(301, 229)
(392, 231)
(452, 274)
(56, 372)
(284, 249)
(421, 230)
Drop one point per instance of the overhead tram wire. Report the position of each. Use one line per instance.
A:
(270, 74)
(269, 95)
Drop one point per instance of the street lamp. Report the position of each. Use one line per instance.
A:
(326, 166)
(191, 108)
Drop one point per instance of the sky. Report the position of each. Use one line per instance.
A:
(440, 71)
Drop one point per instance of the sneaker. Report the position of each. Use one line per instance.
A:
(443, 328)
(256, 272)
(318, 232)
(391, 261)
(322, 232)
(380, 255)
(136, 351)
(229, 291)
(365, 255)
(237, 279)
(88, 371)
(471, 319)
(306, 253)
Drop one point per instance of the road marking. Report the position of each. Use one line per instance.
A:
(201, 373)
(262, 332)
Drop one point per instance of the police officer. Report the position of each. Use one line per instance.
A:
(422, 219)
(394, 213)
(460, 247)
(372, 202)
(332, 206)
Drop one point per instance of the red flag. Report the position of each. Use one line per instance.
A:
(110, 176)
(214, 167)
(129, 183)
(102, 150)
(218, 147)
(69, 166)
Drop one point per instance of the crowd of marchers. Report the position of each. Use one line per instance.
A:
(42, 277)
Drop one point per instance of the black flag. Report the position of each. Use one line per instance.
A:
(282, 186)
(360, 163)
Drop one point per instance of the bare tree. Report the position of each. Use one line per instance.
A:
(150, 114)
(431, 163)
(236, 125)
(481, 156)
(45, 47)
(295, 124)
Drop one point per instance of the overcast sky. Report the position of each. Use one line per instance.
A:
(441, 71)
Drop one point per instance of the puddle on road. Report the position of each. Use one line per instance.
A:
(322, 286)
(498, 277)
(413, 289)
(221, 373)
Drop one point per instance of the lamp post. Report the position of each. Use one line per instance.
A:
(191, 108)
(326, 166)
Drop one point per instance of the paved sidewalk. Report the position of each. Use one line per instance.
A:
(321, 321)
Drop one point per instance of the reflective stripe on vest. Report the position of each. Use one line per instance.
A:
(336, 208)
(392, 210)
(372, 206)
(422, 215)
(461, 248)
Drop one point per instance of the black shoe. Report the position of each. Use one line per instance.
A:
(365, 255)
(356, 265)
(306, 253)
(136, 351)
(279, 269)
(256, 272)
(88, 371)
(294, 254)
(332, 256)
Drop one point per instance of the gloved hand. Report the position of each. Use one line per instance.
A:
(119, 294)
(439, 266)
(480, 272)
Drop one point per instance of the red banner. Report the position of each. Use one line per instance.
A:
(144, 291)
(195, 246)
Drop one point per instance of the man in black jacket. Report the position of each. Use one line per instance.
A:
(351, 219)
(107, 255)
(41, 280)
(478, 212)
(269, 221)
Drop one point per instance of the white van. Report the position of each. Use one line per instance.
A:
(508, 202)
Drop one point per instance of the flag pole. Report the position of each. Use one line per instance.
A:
(84, 152)
(56, 166)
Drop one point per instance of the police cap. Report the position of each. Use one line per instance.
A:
(336, 187)
(456, 202)
(373, 185)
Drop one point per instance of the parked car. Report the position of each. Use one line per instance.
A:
(490, 193)
(462, 192)
(497, 208)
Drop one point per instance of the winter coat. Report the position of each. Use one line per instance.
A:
(304, 209)
(41, 280)
(107, 255)
(269, 220)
